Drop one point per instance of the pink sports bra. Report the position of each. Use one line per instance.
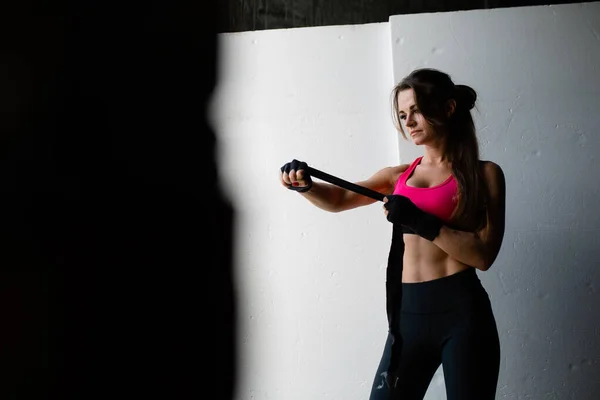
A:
(439, 200)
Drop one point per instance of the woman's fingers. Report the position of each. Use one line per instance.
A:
(293, 178)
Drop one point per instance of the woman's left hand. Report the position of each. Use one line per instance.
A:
(401, 210)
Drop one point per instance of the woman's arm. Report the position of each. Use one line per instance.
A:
(480, 250)
(335, 199)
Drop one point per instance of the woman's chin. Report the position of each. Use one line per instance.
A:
(420, 140)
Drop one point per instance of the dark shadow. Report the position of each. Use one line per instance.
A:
(116, 243)
(285, 14)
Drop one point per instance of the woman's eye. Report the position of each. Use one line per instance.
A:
(403, 117)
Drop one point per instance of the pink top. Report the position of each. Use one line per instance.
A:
(439, 200)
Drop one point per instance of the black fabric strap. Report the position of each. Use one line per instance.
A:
(345, 184)
(393, 284)
(393, 288)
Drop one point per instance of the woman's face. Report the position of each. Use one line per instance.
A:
(413, 122)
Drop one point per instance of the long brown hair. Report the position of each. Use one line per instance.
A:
(433, 89)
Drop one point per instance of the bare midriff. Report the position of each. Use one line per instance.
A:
(424, 261)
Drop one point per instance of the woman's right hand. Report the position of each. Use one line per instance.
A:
(295, 176)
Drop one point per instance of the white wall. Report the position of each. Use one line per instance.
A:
(536, 70)
(311, 283)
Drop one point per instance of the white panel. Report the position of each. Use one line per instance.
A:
(536, 73)
(312, 283)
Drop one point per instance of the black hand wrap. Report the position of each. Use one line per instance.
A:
(297, 166)
(401, 210)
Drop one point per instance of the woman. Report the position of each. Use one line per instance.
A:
(448, 209)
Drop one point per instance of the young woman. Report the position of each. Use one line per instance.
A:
(448, 210)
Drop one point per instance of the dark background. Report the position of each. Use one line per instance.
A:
(247, 15)
(116, 245)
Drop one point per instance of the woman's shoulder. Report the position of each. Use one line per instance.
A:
(490, 167)
(492, 172)
(398, 169)
(403, 167)
(394, 172)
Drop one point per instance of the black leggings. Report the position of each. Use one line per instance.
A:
(446, 321)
